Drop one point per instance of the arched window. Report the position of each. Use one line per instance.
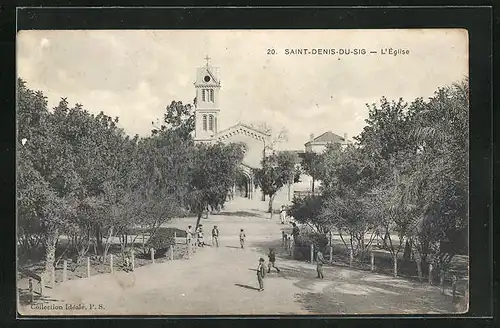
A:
(203, 98)
(215, 124)
(211, 122)
(204, 122)
(211, 95)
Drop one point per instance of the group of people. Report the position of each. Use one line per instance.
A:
(288, 241)
(196, 237)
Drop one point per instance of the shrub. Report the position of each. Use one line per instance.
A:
(161, 241)
(303, 245)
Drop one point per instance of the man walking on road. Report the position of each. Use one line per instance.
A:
(261, 272)
(242, 238)
(272, 260)
(320, 260)
(215, 236)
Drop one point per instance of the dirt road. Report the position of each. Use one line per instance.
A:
(223, 280)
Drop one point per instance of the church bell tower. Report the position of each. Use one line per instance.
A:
(207, 86)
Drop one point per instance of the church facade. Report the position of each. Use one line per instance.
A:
(208, 128)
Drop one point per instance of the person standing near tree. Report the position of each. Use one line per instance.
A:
(189, 235)
(320, 260)
(215, 236)
(282, 214)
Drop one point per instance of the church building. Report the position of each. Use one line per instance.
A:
(208, 128)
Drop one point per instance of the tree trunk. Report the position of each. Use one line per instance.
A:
(270, 207)
(50, 252)
(108, 244)
(289, 191)
(98, 237)
(313, 185)
(419, 269)
(198, 220)
(407, 252)
(395, 262)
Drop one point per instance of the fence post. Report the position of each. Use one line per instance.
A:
(111, 263)
(351, 257)
(133, 259)
(430, 273)
(171, 252)
(454, 288)
(30, 284)
(65, 271)
(372, 261)
(441, 281)
(175, 237)
(53, 276)
(395, 260)
(331, 254)
(88, 267)
(152, 250)
(312, 253)
(42, 285)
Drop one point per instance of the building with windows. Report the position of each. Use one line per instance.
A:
(207, 128)
(318, 144)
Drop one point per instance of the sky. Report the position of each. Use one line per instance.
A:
(135, 74)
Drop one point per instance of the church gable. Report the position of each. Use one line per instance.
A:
(243, 130)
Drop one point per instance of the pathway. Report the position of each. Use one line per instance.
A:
(222, 280)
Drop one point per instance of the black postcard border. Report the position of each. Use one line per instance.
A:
(477, 20)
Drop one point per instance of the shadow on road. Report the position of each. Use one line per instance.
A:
(237, 213)
(25, 298)
(233, 247)
(246, 286)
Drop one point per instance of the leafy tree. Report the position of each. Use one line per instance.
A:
(344, 196)
(313, 165)
(212, 173)
(178, 117)
(308, 210)
(277, 170)
(48, 186)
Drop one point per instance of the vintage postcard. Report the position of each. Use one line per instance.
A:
(242, 172)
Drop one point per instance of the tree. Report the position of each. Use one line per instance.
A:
(212, 173)
(178, 117)
(276, 171)
(308, 210)
(48, 186)
(275, 138)
(313, 165)
(344, 207)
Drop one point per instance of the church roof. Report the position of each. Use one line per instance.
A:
(325, 138)
(257, 131)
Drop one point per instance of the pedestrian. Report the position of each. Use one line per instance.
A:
(283, 238)
(261, 272)
(189, 235)
(201, 241)
(282, 214)
(242, 238)
(215, 236)
(319, 264)
(272, 261)
(295, 231)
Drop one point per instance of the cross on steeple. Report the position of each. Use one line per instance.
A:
(207, 59)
